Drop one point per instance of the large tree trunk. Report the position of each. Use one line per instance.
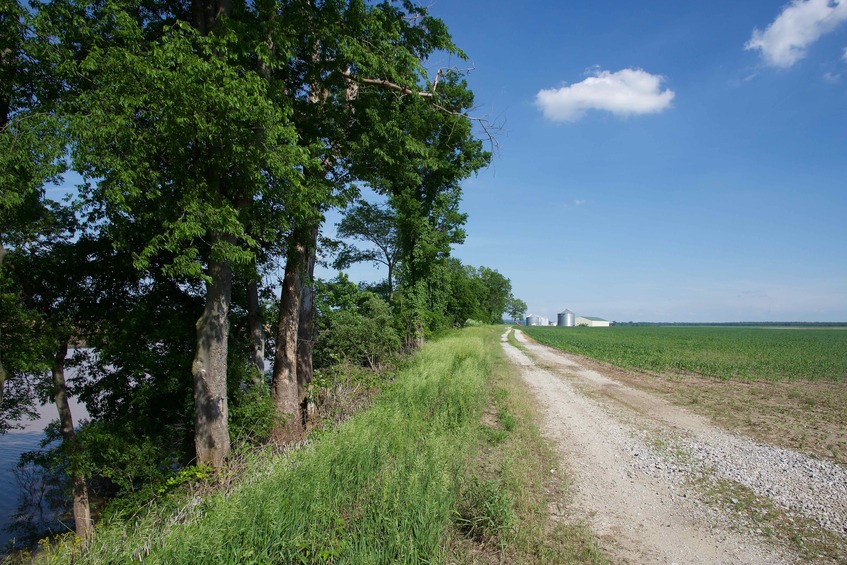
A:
(205, 13)
(285, 388)
(257, 334)
(81, 508)
(306, 325)
(2, 367)
(211, 412)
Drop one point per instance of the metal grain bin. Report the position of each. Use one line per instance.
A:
(533, 320)
(567, 319)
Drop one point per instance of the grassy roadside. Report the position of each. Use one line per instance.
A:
(448, 466)
(518, 463)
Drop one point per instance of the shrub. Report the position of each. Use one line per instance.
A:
(362, 335)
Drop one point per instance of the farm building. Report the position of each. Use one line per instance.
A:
(533, 320)
(566, 319)
(592, 322)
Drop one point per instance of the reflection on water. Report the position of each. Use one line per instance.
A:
(12, 445)
(16, 442)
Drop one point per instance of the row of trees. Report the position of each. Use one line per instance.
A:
(211, 137)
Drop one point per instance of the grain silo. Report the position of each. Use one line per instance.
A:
(567, 319)
(533, 320)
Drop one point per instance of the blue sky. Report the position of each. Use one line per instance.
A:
(661, 161)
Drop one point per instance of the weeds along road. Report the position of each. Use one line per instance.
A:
(659, 484)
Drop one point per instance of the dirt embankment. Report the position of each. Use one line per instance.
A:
(660, 484)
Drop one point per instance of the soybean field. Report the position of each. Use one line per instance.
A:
(745, 353)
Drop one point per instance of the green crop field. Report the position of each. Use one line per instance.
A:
(722, 352)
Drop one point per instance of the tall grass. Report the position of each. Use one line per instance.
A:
(381, 488)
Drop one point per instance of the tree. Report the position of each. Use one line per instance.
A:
(31, 147)
(212, 137)
(183, 142)
(50, 273)
(39, 259)
(430, 150)
(349, 96)
(378, 226)
(498, 291)
(516, 308)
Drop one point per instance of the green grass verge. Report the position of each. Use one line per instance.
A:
(526, 468)
(447, 466)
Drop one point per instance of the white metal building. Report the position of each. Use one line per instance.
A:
(592, 322)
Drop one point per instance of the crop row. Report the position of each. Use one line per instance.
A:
(720, 352)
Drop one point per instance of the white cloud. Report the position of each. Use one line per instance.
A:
(578, 202)
(844, 55)
(625, 92)
(800, 24)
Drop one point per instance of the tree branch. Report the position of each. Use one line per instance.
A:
(386, 84)
(489, 128)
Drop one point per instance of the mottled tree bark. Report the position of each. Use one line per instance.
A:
(209, 369)
(81, 509)
(284, 388)
(257, 334)
(211, 411)
(306, 326)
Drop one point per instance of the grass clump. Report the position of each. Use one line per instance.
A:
(484, 510)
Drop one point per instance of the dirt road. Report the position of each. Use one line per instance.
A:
(659, 484)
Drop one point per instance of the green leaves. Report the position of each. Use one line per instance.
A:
(182, 140)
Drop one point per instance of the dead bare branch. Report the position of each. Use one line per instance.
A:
(386, 84)
(490, 129)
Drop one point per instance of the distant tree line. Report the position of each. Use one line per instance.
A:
(212, 137)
